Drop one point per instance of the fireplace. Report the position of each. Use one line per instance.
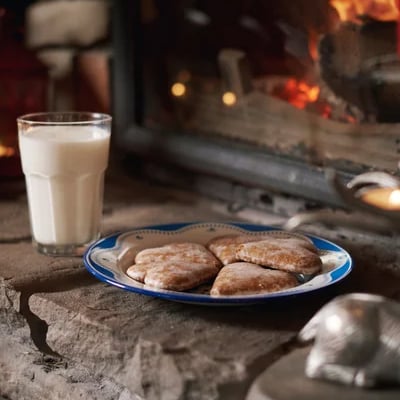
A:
(258, 98)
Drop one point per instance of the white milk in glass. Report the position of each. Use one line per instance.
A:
(64, 171)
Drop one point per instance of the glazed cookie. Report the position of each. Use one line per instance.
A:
(186, 251)
(179, 276)
(172, 275)
(225, 247)
(243, 278)
(287, 255)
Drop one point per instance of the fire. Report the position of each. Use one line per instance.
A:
(299, 93)
(6, 151)
(305, 96)
(313, 45)
(352, 10)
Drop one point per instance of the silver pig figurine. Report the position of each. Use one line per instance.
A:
(356, 341)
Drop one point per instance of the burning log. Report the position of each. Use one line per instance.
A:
(288, 127)
(359, 60)
(280, 127)
(350, 80)
(359, 64)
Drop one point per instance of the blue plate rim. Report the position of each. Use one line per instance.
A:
(110, 242)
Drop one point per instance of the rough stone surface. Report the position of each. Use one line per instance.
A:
(192, 345)
(80, 338)
(27, 373)
(22, 266)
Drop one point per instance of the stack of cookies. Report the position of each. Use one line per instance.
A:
(237, 264)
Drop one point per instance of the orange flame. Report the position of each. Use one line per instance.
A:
(352, 10)
(313, 45)
(6, 151)
(300, 93)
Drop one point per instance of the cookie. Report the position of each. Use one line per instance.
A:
(286, 255)
(225, 247)
(139, 271)
(298, 241)
(179, 276)
(174, 266)
(172, 275)
(243, 278)
(185, 251)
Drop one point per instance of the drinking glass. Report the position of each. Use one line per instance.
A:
(64, 156)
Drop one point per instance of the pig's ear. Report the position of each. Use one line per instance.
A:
(309, 331)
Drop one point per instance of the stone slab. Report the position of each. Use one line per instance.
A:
(26, 373)
(151, 347)
(146, 344)
(285, 380)
(24, 268)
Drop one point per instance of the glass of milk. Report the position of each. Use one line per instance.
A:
(64, 156)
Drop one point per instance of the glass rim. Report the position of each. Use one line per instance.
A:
(87, 118)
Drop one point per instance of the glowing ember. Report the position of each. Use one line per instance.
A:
(352, 10)
(304, 95)
(6, 151)
(299, 93)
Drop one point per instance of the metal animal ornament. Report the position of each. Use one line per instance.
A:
(356, 341)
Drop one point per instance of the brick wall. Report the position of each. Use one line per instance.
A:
(71, 37)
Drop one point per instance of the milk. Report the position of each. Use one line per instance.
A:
(64, 171)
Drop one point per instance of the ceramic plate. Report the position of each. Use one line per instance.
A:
(109, 258)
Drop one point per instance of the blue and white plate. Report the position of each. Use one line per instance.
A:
(109, 258)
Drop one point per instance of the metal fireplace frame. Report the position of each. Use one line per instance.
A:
(243, 164)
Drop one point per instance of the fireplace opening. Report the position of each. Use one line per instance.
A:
(262, 94)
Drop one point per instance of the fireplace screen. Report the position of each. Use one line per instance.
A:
(264, 93)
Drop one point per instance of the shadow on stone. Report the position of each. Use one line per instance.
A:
(39, 327)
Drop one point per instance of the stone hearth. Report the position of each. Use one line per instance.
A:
(63, 334)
